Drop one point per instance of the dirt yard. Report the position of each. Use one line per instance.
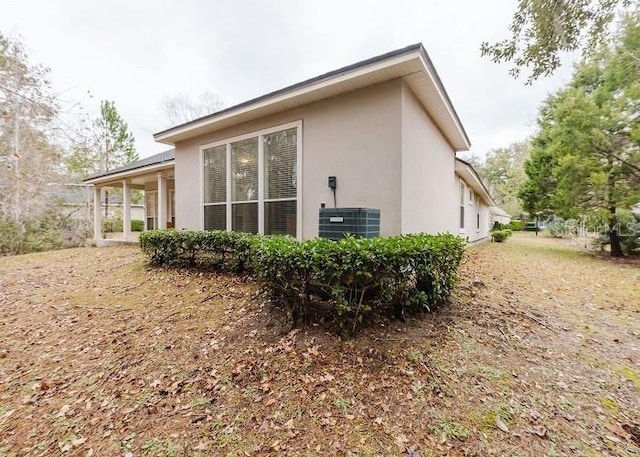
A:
(538, 354)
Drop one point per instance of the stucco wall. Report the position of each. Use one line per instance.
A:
(355, 137)
(429, 192)
(473, 230)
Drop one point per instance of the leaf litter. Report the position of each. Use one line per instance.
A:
(538, 353)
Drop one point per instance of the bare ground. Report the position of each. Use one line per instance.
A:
(538, 354)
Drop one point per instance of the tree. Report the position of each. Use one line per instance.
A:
(116, 144)
(503, 173)
(543, 29)
(28, 156)
(106, 144)
(181, 108)
(586, 156)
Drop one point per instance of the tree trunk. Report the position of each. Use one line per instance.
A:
(614, 236)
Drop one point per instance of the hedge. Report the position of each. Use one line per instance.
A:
(349, 278)
(515, 225)
(357, 275)
(500, 236)
(115, 224)
(221, 250)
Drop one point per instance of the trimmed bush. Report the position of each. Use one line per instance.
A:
(221, 250)
(137, 225)
(350, 277)
(357, 275)
(531, 226)
(500, 236)
(515, 225)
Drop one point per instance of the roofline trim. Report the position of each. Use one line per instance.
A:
(478, 179)
(317, 82)
(433, 74)
(131, 172)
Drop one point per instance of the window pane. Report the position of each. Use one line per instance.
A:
(215, 174)
(151, 203)
(244, 172)
(280, 164)
(245, 217)
(215, 217)
(280, 218)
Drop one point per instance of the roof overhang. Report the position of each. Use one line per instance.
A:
(411, 63)
(470, 176)
(131, 174)
(497, 211)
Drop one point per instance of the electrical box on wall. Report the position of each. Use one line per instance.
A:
(332, 182)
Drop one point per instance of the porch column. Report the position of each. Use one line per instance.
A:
(126, 210)
(162, 201)
(97, 213)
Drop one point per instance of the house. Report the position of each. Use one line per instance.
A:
(154, 176)
(384, 128)
(497, 214)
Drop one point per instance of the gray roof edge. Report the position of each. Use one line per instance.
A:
(408, 49)
(479, 179)
(432, 67)
(156, 159)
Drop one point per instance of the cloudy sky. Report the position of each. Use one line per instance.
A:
(137, 53)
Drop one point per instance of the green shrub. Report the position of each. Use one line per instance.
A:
(515, 225)
(137, 225)
(629, 233)
(350, 277)
(559, 228)
(52, 230)
(500, 236)
(498, 226)
(410, 272)
(112, 224)
(218, 249)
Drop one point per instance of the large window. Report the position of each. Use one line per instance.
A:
(280, 182)
(250, 183)
(244, 185)
(215, 188)
(151, 208)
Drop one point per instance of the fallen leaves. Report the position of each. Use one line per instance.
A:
(222, 377)
(501, 425)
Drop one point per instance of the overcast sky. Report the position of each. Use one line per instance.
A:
(137, 53)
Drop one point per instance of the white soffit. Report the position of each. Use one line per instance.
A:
(418, 74)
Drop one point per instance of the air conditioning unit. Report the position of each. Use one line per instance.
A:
(336, 223)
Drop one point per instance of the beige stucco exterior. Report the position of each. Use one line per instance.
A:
(477, 221)
(428, 188)
(379, 142)
(355, 137)
(384, 127)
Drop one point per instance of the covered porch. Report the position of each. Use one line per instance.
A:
(154, 176)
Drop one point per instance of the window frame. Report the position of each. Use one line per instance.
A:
(261, 184)
(462, 202)
(147, 213)
(172, 207)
